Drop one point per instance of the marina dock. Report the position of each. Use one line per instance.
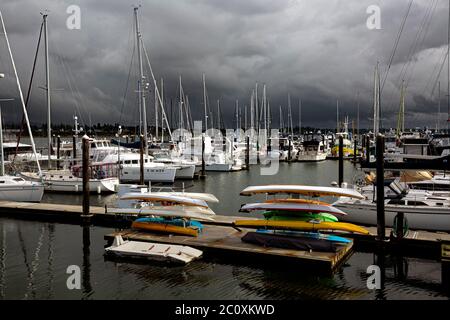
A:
(221, 235)
(225, 242)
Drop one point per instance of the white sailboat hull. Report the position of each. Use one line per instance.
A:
(32, 192)
(185, 172)
(419, 217)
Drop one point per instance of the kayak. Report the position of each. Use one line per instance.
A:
(165, 228)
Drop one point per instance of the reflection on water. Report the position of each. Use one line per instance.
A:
(35, 256)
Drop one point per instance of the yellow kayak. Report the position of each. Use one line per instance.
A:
(301, 225)
(165, 228)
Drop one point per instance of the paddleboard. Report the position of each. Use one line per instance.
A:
(156, 197)
(311, 191)
(292, 207)
(301, 225)
(164, 228)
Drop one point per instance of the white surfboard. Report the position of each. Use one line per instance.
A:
(292, 207)
(312, 191)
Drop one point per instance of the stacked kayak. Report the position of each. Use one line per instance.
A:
(296, 223)
(169, 212)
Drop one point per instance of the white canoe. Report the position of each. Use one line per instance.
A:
(158, 197)
(153, 251)
(175, 212)
(292, 207)
(312, 191)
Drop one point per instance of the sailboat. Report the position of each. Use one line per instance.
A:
(15, 188)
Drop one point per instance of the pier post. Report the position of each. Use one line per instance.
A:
(86, 177)
(289, 151)
(247, 154)
(355, 149)
(341, 160)
(74, 149)
(381, 228)
(141, 171)
(400, 222)
(203, 171)
(367, 149)
(445, 266)
(58, 149)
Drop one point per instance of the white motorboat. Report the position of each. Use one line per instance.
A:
(185, 168)
(131, 168)
(153, 251)
(313, 151)
(423, 210)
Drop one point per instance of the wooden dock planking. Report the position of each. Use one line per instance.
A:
(227, 241)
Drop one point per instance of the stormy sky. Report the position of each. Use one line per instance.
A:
(320, 51)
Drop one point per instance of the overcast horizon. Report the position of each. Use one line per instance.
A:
(317, 51)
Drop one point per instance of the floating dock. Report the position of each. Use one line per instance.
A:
(416, 244)
(225, 242)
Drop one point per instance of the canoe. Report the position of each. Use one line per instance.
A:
(165, 228)
(292, 207)
(288, 216)
(301, 225)
(164, 198)
(298, 201)
(311, 191)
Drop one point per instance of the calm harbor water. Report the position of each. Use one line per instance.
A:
(34, 257)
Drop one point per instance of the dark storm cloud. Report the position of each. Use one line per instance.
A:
(319, 50)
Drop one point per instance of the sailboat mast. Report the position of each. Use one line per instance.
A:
(337, 116)
(2, 159)
(47, 89)
(24, 109)
(162, 108)
(300, 116)
(141, 83)
(156, 115)
(204, 102)
(448, 73)
(438, 124)
(257, 110)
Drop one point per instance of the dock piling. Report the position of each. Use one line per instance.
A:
(341, 160)
(74, 149)
(355, 150)
(203, 172)
(86, 177)
(445, 265)
(367, 149)
(58, 151)
(381, 227)
(141, 171)
(247, 154)
(289, 151)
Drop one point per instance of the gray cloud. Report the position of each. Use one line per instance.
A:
(319, 50)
